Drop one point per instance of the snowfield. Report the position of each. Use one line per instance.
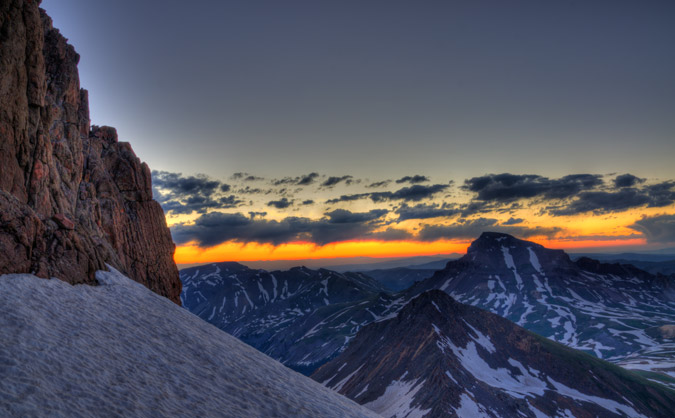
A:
(119, 349)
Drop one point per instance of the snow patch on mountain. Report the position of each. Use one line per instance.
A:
(508, 259)
(534, 260)
(470, 408)
(608, 404)
(397, 400)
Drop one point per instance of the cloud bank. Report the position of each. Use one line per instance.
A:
(441, 211)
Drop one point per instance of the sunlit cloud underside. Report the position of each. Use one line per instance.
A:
(316, 216)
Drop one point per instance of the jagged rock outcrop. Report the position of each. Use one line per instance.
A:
(72, 197)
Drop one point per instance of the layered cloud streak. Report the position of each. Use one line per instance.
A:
(314, 208)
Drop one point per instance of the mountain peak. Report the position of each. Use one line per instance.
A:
(499, 250)
(497, 239)
(439, 357)
(431, 300)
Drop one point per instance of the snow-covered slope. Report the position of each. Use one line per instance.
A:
(613, 311)
(281, 313)
(119, 349)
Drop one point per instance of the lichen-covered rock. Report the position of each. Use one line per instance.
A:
(72, 197)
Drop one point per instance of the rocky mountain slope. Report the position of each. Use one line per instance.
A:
(72, 197)
(611, 310)
(615, 312)
(118, 349)
(281, 313)
(438, 357)
(399, 278)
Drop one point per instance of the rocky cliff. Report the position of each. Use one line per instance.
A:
(72, 197)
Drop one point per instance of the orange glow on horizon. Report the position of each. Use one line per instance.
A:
(571, 244)
(231, 251)
(578, 233)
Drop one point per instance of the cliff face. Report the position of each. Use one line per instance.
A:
(72, 198)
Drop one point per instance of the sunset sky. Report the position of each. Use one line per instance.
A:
(317, 129)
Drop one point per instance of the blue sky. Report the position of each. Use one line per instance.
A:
(375, 91)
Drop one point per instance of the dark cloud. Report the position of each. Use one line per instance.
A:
(661, 194)
(378, 184)
(245, 177)
(282, 203)
(307, 202)
(657, 229)
(308, 179)
(603, 202)
(408, 194)
(391, 234)
(627, 180)
(568, 195)
(332, 181)
(228, 202)
(413, 179)
(254, 215)
(479, 207)
(305, 180)
(251, 190)
(184, 186)
(473, 228)
(509, 187)
(513, 221)
(342, 216)
(348, 198)
(654, 195)
(339, 225)
(424, 211)
(199, 204)
(178, 194)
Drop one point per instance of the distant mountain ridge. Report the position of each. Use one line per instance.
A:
(599, 307)
(399, 278)
(664, 255)
(612, 311)
(275, 310)
(438, 357)
(413, 263)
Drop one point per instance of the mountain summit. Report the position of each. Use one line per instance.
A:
(606, 309)
(498, 250)
(438, 357)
